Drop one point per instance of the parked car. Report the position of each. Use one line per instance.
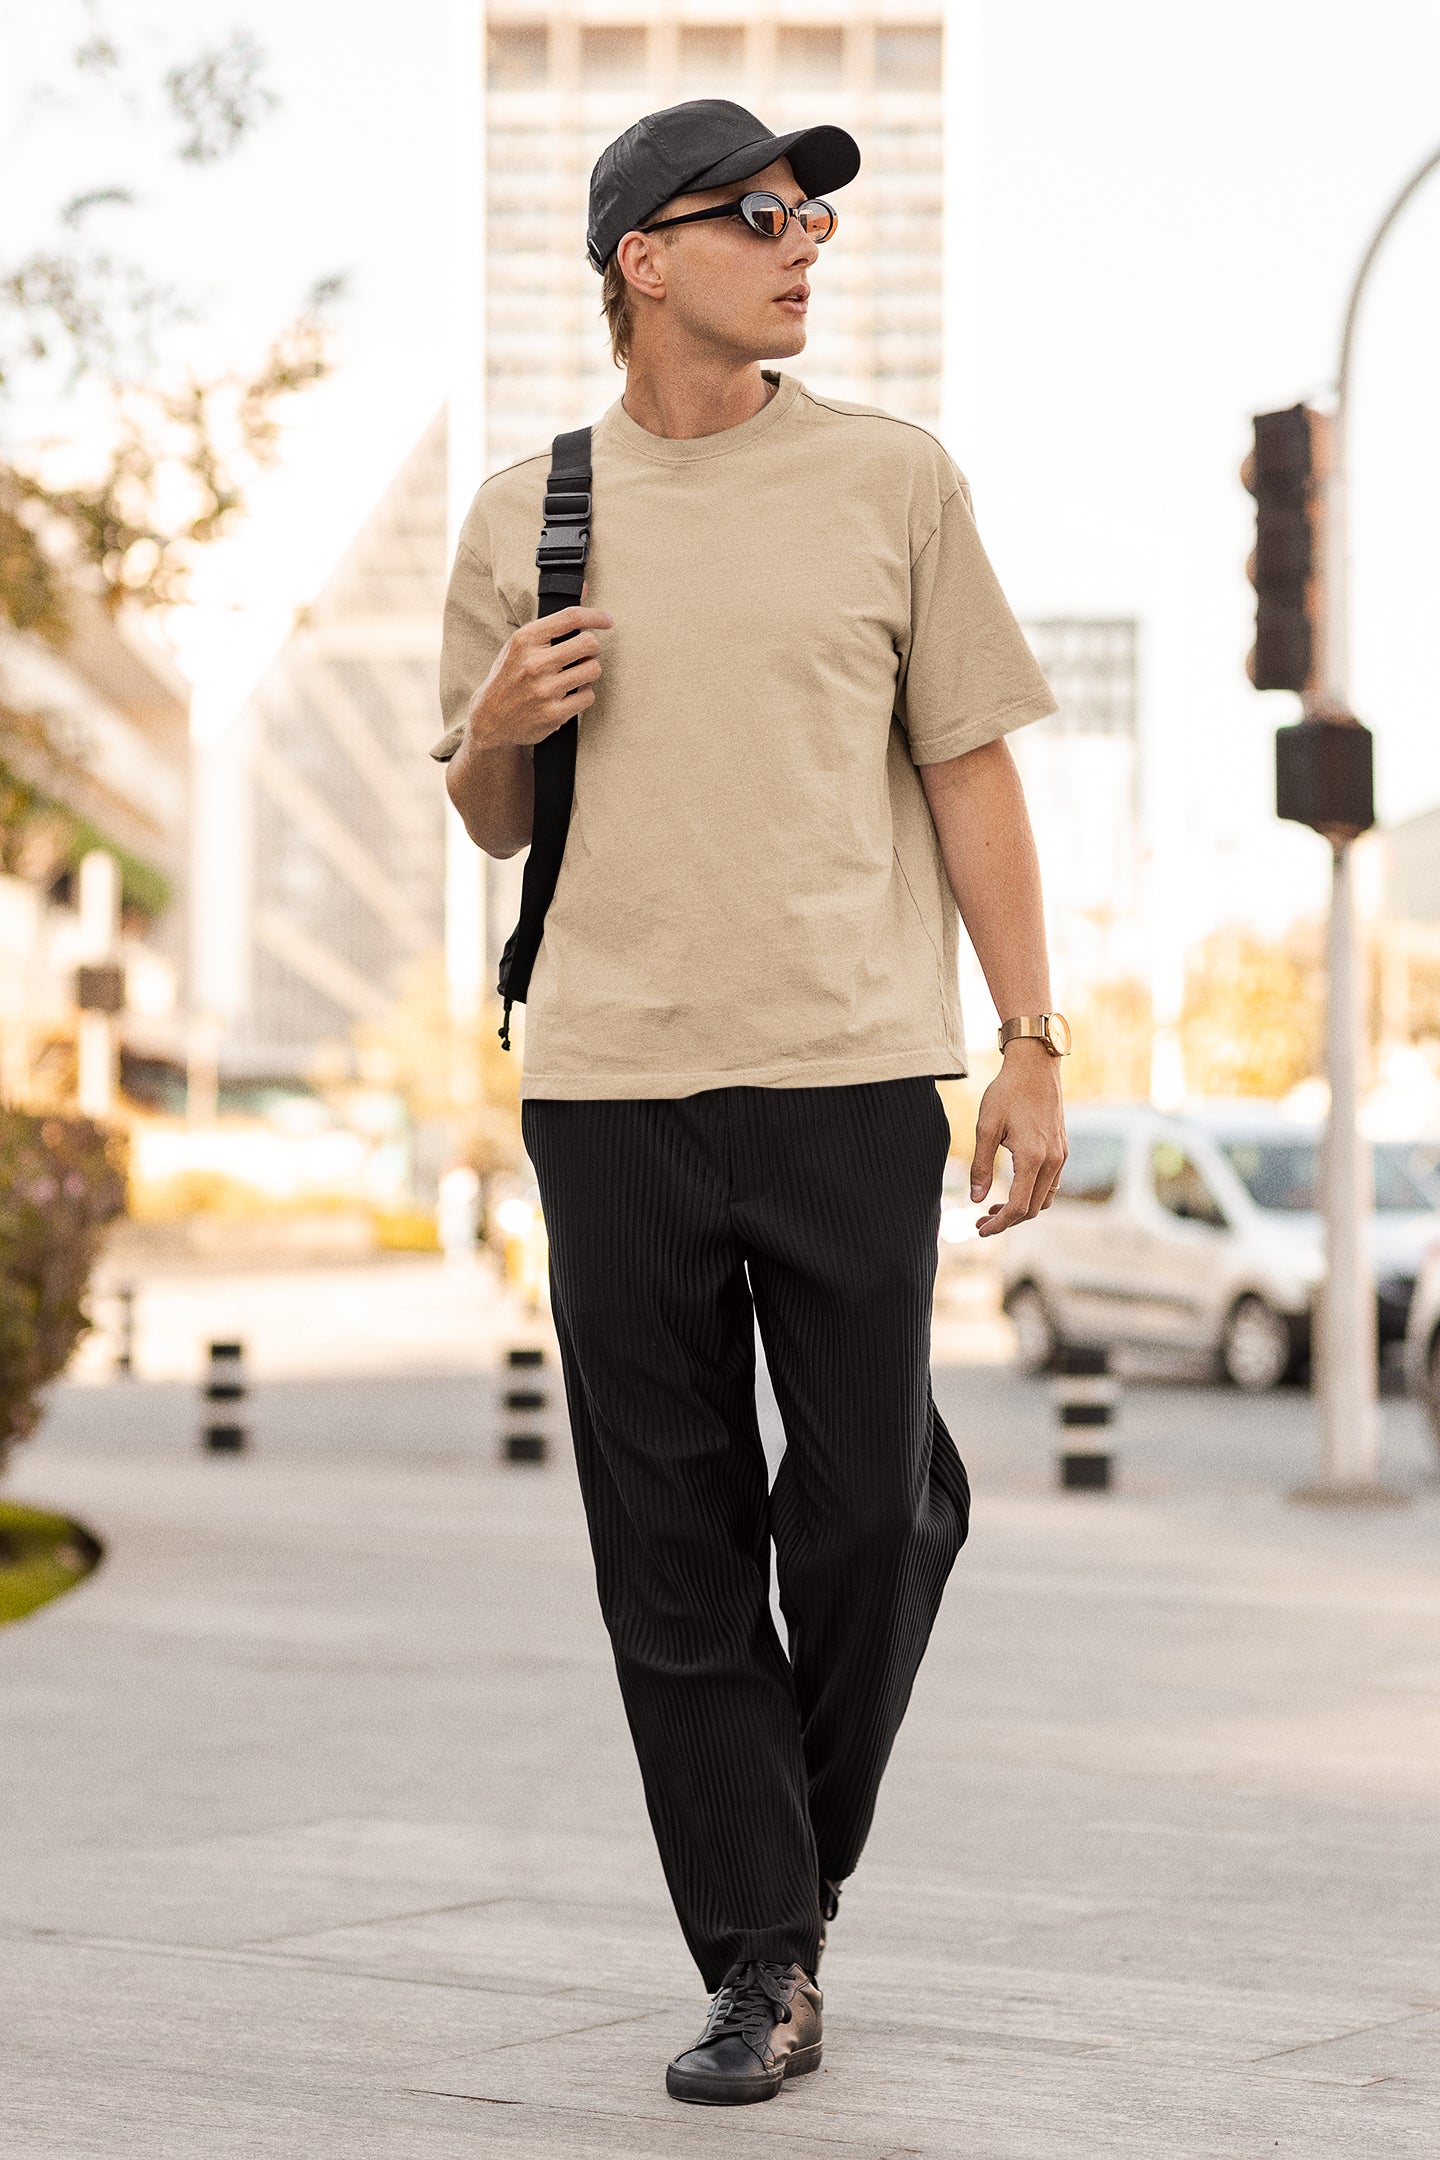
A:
(1200, 1233)
(1422, 1341)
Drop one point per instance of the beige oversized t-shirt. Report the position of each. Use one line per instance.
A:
(752, 891)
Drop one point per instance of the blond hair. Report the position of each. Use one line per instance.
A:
(616, 308)
(617, 303)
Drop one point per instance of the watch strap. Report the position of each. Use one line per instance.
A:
(1034, 1027)
(1025, 1028)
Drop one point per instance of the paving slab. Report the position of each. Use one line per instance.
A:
(324, 1837)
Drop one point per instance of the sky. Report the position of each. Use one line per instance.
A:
(1170, 203)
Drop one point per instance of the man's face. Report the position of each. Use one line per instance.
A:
(729, 287)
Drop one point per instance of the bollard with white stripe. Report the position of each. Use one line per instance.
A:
(1085, 1395)
(125, 1332)
(528, 1397)
(223, 1431)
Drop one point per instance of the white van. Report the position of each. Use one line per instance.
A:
(1201, 1233)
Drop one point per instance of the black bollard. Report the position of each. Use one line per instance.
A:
(1085, 1396)
(125, 1333)
(526, 1405)
(222, 1434)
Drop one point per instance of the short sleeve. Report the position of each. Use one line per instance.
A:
(476, 626)
(968, 676)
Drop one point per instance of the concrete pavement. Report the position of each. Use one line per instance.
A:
(323, 1836)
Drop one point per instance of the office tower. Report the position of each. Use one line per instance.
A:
(343, 886)
(564, 81)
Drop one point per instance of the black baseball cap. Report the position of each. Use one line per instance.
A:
(705, 143)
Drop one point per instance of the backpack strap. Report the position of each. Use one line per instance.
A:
(561, 558)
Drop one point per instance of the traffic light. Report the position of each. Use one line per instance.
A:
(1325, 776)
(1324, 766)
(1285, 473)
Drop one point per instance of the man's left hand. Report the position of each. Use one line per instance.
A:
(1022, 1111)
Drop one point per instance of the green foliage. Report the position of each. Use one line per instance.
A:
(1252, 1021)
(40, 838)
(29, 587)
(174, 453)
(62, 1180)
(1254, 1016)
(34, 835)
(218, 95)
(173, 479)
(144, 890)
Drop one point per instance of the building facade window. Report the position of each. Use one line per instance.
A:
(907, 56)
(810, 56)
(711, 54)
(519, 55)
(611, 53)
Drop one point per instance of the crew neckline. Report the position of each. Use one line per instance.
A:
(694, 449)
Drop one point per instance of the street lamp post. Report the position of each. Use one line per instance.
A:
(1349, 1465)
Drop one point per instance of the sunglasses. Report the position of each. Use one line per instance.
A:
(765, 214)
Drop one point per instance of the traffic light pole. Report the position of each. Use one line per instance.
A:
(1346, 1360)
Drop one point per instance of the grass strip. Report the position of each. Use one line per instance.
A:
(41, 1556)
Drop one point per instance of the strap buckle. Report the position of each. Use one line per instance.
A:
(565, 541)
(571, 545)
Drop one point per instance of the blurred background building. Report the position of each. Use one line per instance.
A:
(1412, 869)
(1081, 769)
(562, 82)
(339, 819)
(1405, 988)
(94, 754)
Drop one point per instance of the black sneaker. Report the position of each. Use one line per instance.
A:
(764, 2026)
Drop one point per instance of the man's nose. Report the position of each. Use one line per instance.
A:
(800, 248)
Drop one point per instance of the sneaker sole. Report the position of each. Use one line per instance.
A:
(704, 2091)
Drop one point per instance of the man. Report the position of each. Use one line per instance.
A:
(794, 672)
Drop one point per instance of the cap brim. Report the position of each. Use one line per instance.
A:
(821, 158)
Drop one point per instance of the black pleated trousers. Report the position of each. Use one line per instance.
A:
(675, 1226)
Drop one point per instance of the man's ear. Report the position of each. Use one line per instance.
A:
(640, 264)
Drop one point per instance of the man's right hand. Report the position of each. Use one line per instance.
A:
(533, 688)
(536, 685)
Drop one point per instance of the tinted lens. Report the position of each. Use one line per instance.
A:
(817, 220)
(765, 214)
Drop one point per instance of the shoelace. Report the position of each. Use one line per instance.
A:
(753, 1994)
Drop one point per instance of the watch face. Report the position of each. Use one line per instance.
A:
(1057, 1030)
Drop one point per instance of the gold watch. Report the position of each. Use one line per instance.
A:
(1053, 1029)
